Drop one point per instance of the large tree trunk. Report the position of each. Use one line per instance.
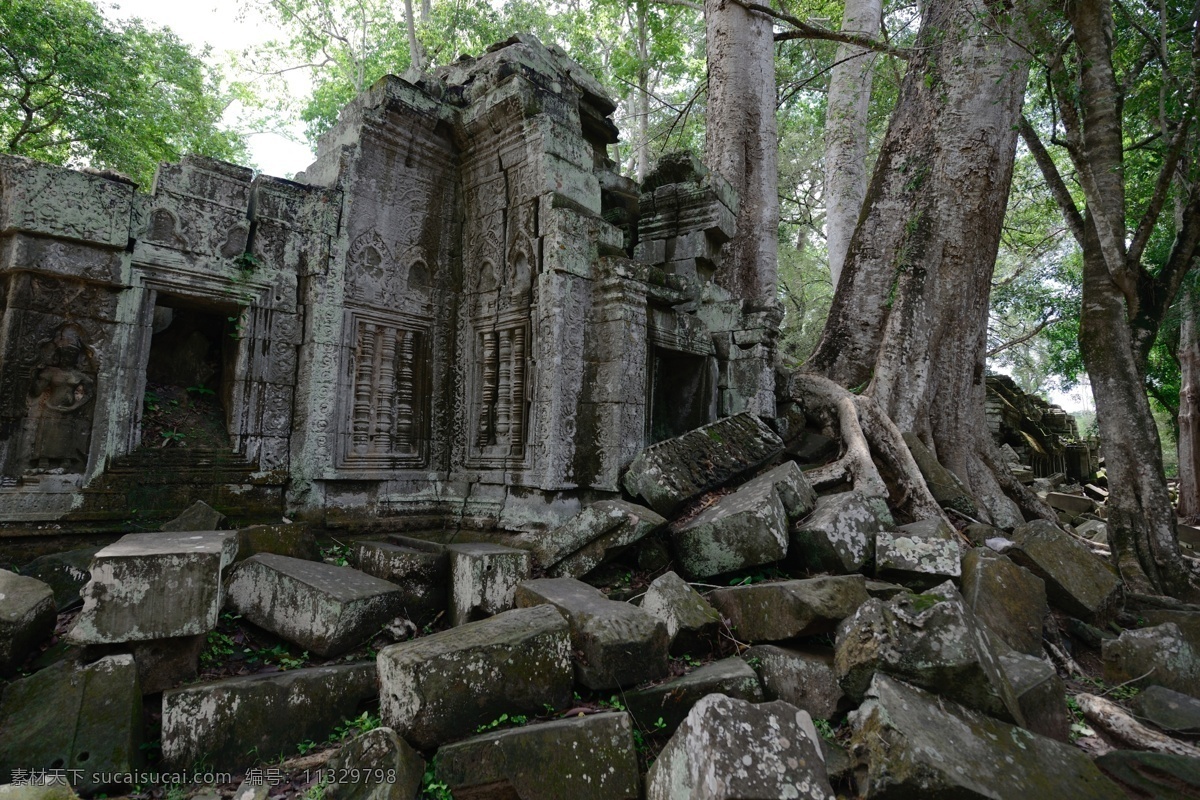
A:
(909, 316)
(741, 144)
(1189, 408)
(846, 131)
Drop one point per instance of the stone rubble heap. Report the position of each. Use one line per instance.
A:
(925, 652)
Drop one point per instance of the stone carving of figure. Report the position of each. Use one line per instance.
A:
(59, 423)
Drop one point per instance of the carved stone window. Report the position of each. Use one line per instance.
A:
(501, 393)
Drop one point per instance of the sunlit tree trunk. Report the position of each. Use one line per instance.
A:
(1189, 409)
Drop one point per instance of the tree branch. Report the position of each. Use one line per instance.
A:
(1058, 189)
(804, 30)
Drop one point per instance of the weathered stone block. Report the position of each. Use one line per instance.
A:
(804, 677)
(1158, 775)
(589, 758)
(728, 748)
(483, 578)
(1073, 504)
(154, 586)
(1040, 694)
(914, 561)
(1159, 656)
(165, 663)
(671, 473)
(669, 703)
(616, 644)
(930, 640)
(772, 612)
(838, 537)
(283, 539)
(1168, 710)
(917, 745)
(199, 516)
(738, 531)
(422, 575)
(66, 573)
(932, 528)
(378, 765)
(324, 608)
(444, 686)
(581, 543)
(27, 617)
(691, 622)
(1009, 599)
(1077, 581)
(235, 723)
(53, 201)
(73, 717)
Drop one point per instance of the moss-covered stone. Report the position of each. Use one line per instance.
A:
(664, 707)
(804, 677)
(772, 612)
(27, 617)
(1009, 599)
(378, 765)
(1077, 581)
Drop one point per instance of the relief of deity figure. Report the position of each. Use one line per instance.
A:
(59, 423)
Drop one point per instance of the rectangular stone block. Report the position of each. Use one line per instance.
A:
(483, 578)
(422, 575)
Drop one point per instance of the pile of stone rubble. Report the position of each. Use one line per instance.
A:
(939, 656)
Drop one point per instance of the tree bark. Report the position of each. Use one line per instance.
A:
(909, 318)
(1189, 409)
(415, 56)
(846, 131)
(742, 146)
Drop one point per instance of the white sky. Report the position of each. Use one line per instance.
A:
(216, 23)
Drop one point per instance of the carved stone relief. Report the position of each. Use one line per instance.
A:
(58, 425)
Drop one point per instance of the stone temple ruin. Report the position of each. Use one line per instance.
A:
(458, 314)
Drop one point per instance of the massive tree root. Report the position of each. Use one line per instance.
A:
(867, 434)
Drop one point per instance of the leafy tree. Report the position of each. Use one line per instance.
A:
(77, 89)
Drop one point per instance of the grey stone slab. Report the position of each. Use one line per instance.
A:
(422, 575)
(66, 573)
(1040, 694)
(1077, 581)
(584, 540)
(671, 473)
(691, 622)
(378, 765)
(915, 561)
(804, 677)
(483, 578)
(1073, 504)
(616, 644)
(441, 687)
(321, 607)
(1009, 599)
(283, 539)
(772, 612)
(930, 640)
(662, 708)
(728, 748)
(587, 758)
(932, 528)
(27, 617)
(1155, 656)
(915, 744)
(1157, 775)
(236, 723)
(155, 586)
(199, 516)
(838, 537)
(1170, 711)
(72, 717)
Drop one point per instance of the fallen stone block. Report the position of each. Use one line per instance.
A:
(325, 609)
(930, 640)
(291, 539)
(1168, 710)
(1077, 581)
(728, 748)
(586, 758)
(421, 573)
(232, 724)
(838, 537)
(65, 573)
(804, 677)
(154, 586)
(1157, 775)
(1093, 530)
(199, 516)
(915, 744)
(378, 765)
(1156, 656)
(598, 532)
(914, 561)
(1009, 599)
(483, 578)
(27, 618)
(1040, 694)
(772, 612)
(931, 528)
(664, 707)
(615, 644)
(746, 528)
(1188, 622)
(1073, 504)
(691, 622)
(671, 473)
(73, 717)
(441, 687)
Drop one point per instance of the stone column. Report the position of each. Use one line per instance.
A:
(742, 145)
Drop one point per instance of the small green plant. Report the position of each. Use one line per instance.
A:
(151, 401)
(824, 728)
(688, 659)
(355, 727)
(305, 747)
(431, 787)
(754, 662)
(503, 719)
(613, 702)
(316, 791)
(218, 647)
(202, 391)
(291, 662)
(247, 263)
(172, 437)
(336, 553)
